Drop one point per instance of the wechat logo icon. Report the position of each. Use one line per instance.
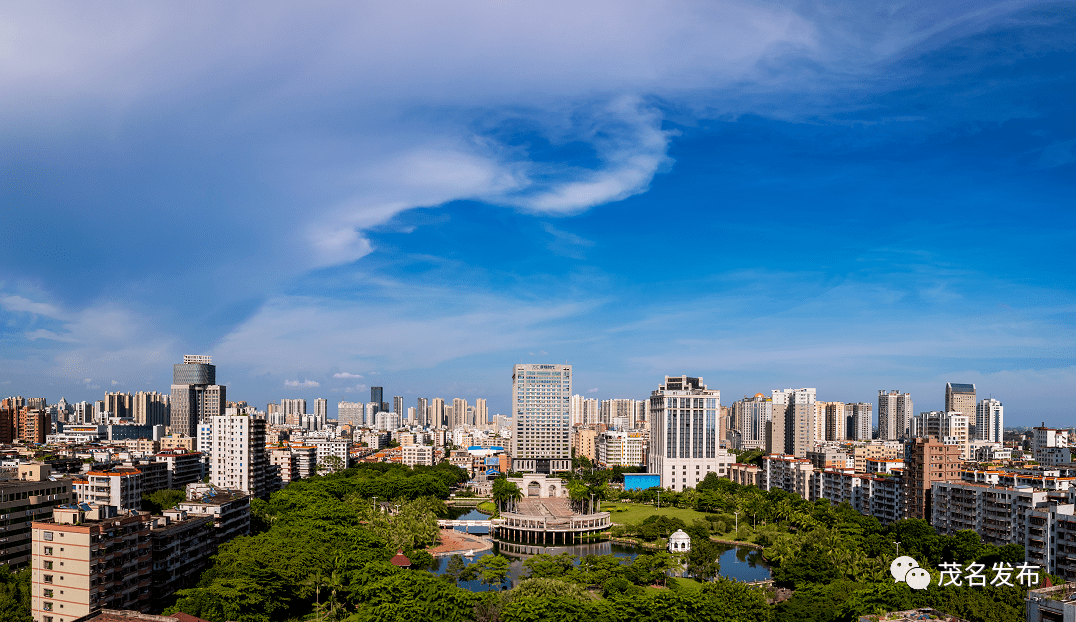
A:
(907, 570)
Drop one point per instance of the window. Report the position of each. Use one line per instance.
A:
(48, 536)
(48, 565)
(48, 593)
(48, 578)
(48, 550)
(48, 606)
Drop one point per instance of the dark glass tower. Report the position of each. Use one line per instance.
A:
(377, 396)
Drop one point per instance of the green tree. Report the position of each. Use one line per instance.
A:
(157, 502)
(455, 568)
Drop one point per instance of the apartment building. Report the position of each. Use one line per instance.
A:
(228, 508)
(684, 433)
(621, 449)
(997, 513)
(413, 455)
(927, 460)
(120, 488)
(887, 498)
(236, 448)
(875, 449)
(324, 448)
(32, 496)
(184, 466)
(181, 546)
(585, 443)
(789, 473)
(89, 558)
(1051, 538)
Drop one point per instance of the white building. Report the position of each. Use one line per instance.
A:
(683, 433)
(412, 455)
(951, 428)
(584, 411)
(236, 449)
(541, 399)
(990, 421)
(1051, 446)
(620, 449)
(351, 412)
(341, 449)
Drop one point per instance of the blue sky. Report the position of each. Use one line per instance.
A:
(418, 195)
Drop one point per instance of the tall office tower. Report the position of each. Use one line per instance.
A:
(927, 460)
(321, 408)
(150, 408)
(750, 418)
(541, 399)
(397, 405)
(990, 421)
(835, 421)
(377, 396)
(481, 413)
(683, 433)
(858, 421)
(422, 412)
(459, 413)
(236, 448)
(960, 398)
(119, 404)
(196, 396)
(350, 413)
(894, 415)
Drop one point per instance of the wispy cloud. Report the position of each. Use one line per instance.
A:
(345, 374)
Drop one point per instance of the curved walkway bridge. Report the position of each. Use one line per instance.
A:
(539, 521)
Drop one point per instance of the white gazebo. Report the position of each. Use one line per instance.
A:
(679, 542)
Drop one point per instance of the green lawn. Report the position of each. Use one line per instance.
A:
(635, 512)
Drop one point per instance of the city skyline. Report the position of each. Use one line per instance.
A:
(762, 195)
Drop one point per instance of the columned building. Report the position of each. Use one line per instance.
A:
(684, 444)
(541, 402)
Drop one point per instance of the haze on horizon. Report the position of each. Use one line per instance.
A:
(419, 195)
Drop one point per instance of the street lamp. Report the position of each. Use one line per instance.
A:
(898, 548)
(737, 513)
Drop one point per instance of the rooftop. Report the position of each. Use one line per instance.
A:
(115, 615)
(925, 613)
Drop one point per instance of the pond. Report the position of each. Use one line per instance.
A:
(737, 562)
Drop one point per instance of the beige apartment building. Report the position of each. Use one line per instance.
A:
(90, 560)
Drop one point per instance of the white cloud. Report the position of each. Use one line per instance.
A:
(302, 384)
(345, 374)
(16, 303)
(594, 390)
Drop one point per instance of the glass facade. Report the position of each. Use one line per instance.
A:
(194, 373)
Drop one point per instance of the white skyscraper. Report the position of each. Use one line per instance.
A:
(541, 401)
(990, 420)
(683, 433)
(236, 448)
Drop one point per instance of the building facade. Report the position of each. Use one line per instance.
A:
(895, 412)
(683, 433)
(541, 401)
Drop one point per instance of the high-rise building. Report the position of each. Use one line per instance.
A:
(397, 405)
(584, 411)
(990, 421)
(481, 413)
(437, 413)
(120, 405)
(960, 398)
(927, 460)
(541, 401)
(751, 417)
(835, 421)
(684, 446)
(895, 412)
(150, 408)
(321, 409)
(422, 412)
(800, 425)
(377, 396)
(236, 450)
(350, 413)
(459, 413)
(858, 421)
(196, 396)
(951, 428)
